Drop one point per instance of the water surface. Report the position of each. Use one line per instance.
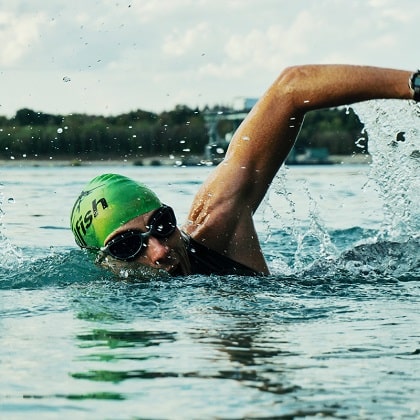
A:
(333, 332)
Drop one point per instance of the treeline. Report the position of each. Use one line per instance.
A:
(139, 133)
(338, 130)
(182, 131)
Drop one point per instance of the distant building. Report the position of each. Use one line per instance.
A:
(244, 104)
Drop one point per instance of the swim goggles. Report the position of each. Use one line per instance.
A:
(127, 245)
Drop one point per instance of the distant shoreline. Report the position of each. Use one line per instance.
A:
(356, 159)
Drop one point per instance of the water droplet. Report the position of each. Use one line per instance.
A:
(59, 130)
(11, 200)
(359, 142)
(66, 79)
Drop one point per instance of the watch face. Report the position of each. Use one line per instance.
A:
(415, 81)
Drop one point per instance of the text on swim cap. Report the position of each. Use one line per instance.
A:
(84, 222)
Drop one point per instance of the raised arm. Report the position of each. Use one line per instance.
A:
(263, 141)
(233, 192)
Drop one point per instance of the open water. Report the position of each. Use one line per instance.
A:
(334, 332)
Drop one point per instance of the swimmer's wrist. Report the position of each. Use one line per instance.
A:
(414, 84)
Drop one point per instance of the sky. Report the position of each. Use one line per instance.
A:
(109, 57)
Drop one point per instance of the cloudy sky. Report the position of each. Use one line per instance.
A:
(113, 56)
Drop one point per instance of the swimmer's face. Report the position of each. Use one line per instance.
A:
(167, 254)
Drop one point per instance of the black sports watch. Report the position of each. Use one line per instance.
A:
(414, 84)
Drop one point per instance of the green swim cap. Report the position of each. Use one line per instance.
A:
(107, 202)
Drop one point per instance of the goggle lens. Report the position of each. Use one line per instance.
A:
(127, 245)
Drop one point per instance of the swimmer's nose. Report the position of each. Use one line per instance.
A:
(156, 251)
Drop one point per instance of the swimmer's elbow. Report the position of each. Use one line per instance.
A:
(294, 85)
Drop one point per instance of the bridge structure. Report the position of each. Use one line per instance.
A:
(219, 140)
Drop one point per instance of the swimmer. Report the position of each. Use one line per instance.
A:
(128, 226)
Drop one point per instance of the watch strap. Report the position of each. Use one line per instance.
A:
(414, 83)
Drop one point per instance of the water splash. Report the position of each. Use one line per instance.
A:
(10, 256)
(384, 260)
(59, 269)
(317, 231)
(304, 240)
(393, 128)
